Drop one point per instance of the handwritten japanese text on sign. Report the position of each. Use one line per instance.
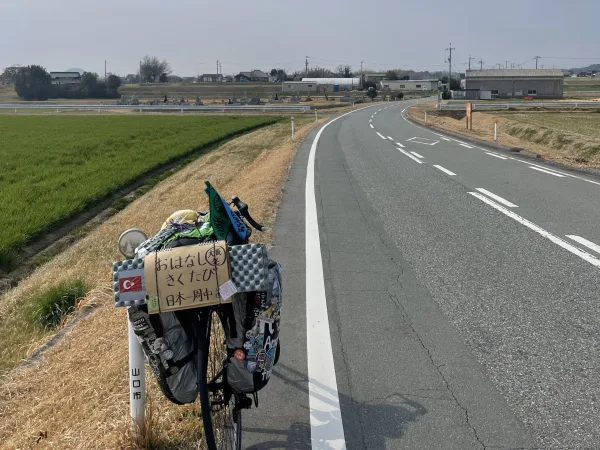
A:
(186, 277)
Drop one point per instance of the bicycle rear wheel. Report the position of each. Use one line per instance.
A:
(221, 417)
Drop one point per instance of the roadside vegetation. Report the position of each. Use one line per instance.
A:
(53, 168)
(77, 395)
(571, 138)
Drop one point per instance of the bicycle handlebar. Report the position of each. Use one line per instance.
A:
(243, 209)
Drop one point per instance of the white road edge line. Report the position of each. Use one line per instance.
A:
(404, 152)
(547, 171)
(323, 397)
(390, 138)
(465, 145)
(583, 241)
(398, 143)
(371, 125)
(380, 135)
(443, 169)
(532, 226)
(497, 198)
(417, 155)
(445, 138)
(497, 156)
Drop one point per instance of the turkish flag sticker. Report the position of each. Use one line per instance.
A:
(131, 284)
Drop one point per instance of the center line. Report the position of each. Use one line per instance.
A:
(380, 135)
(443, 169)
(371, 125)
(464, 145)
(583, 241)
(390, 138)
(547, 171)
(404, 152)
(497, 198)
(398, 143)
(417, 155)
(497, 156)
(532, 226)
(445, 138)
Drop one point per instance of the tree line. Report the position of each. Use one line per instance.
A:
(35, 83)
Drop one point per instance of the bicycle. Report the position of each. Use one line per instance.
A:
(221, 407)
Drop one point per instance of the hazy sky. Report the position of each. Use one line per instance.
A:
(255, 34)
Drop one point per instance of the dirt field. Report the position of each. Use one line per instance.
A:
(570, 138)
(77, 395)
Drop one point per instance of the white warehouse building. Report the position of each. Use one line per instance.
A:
(409, 85)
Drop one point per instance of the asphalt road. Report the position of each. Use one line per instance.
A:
(460, 291)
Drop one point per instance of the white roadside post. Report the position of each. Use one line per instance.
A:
(495, 129)
(292, 128)
(425, 116)
(137, 383)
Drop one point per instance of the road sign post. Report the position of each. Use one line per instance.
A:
(137, 383)
(425, 116)
(292, 129)
(495, 130)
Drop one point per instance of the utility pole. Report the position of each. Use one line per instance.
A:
(104, 70)
(470, 61)
(536, 60)
(480, 64)
(506, 66)
(450, 64)
(499, 66)
(306, 62)
(361, 75)
(140, 72)
(217, 67)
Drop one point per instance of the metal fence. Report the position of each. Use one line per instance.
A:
(181, 108)
(517, 105)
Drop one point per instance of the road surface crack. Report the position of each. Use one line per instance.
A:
(438, 367)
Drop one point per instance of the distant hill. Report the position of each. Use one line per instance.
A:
(590, 68)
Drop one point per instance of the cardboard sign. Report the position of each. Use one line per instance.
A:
(186, 277)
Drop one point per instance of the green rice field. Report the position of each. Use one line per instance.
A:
(52, 168)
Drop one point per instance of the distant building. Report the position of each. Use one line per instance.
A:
(409, 85)
(374, 77)
(253, 75)
(299, 86)
(211, 78)
(336, 84)
(511, 83)
(65, 77)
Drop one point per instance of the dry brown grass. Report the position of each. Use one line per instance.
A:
(76, 397)
(552, 143)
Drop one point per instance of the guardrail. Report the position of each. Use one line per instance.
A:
(517, 105)
(180, 108)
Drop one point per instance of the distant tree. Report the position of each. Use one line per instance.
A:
(405, 77)
(9, 76)
(152, 69)
(446, 95)
(343, 71)
(33, 83)
(371, 93)
(273, 72)
(454, 82)
(163, 78)
(89, 84)
(391, 75)
(399, 95)
(113, 82)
